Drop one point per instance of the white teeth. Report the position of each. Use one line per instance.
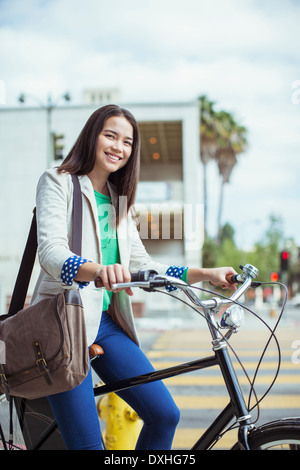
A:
(113, 157)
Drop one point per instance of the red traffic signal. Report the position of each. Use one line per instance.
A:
(274, 277)
(284, 260)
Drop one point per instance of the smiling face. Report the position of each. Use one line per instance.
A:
(114, 145)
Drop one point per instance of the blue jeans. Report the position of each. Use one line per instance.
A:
(75, 410)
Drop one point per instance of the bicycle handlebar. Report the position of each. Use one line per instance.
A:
(248, 270)
(150, 280)
(142, 276)
(233, 279)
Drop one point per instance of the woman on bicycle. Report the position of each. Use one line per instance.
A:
(106, 159)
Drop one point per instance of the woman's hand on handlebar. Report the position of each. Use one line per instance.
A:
(221, 277)
(106, 276)
(215, 276)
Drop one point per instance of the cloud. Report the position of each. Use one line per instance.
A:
(139, 45)
(242, 54)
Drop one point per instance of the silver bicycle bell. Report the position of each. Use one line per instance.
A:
(234, 317)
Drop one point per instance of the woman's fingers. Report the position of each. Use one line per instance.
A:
(114, 274)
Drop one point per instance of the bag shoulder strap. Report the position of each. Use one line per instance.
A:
(27, 262)
(76, 217)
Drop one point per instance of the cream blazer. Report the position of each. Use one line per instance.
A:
(54, 200)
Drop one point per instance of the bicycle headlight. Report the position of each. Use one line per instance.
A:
(233, 317)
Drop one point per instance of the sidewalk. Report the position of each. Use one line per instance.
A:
(190, 319)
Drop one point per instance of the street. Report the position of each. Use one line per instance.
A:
(173, 339)
(201, 395)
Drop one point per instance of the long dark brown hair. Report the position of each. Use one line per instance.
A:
(82, 156)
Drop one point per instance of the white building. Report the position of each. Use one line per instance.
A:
(170, 179)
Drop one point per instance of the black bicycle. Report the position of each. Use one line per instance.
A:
(282, 434)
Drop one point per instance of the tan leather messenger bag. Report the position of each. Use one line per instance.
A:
(44, 347)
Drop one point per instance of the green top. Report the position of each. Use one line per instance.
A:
(184, 275)
(109, 240)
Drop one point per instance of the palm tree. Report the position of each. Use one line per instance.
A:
(208, 143)
(231, 141)
(221, 140)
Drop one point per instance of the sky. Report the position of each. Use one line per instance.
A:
(242, 54)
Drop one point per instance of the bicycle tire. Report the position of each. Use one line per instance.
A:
(277, 435)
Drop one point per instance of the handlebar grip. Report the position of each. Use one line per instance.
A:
(231, 278)
(142, 276)
(135, 277)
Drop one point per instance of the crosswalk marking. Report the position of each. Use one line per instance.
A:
(186, 402)
(208, 380)
(181, 344)
(251, 365)
(194, 353)
(204, 390)
(186, 437)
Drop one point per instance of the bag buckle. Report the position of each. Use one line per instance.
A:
(41, 362)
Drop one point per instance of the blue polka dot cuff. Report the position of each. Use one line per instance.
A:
(175, 271)
(70, 269)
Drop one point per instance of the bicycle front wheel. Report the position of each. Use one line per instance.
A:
(278, 435)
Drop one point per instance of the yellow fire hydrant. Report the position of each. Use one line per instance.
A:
(123, 425)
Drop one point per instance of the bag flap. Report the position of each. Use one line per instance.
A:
(40, 322)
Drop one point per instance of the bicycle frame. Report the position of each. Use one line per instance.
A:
(236, 407)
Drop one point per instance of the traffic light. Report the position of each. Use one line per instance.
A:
(274, 276)
(57, 146)
(284, 260)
